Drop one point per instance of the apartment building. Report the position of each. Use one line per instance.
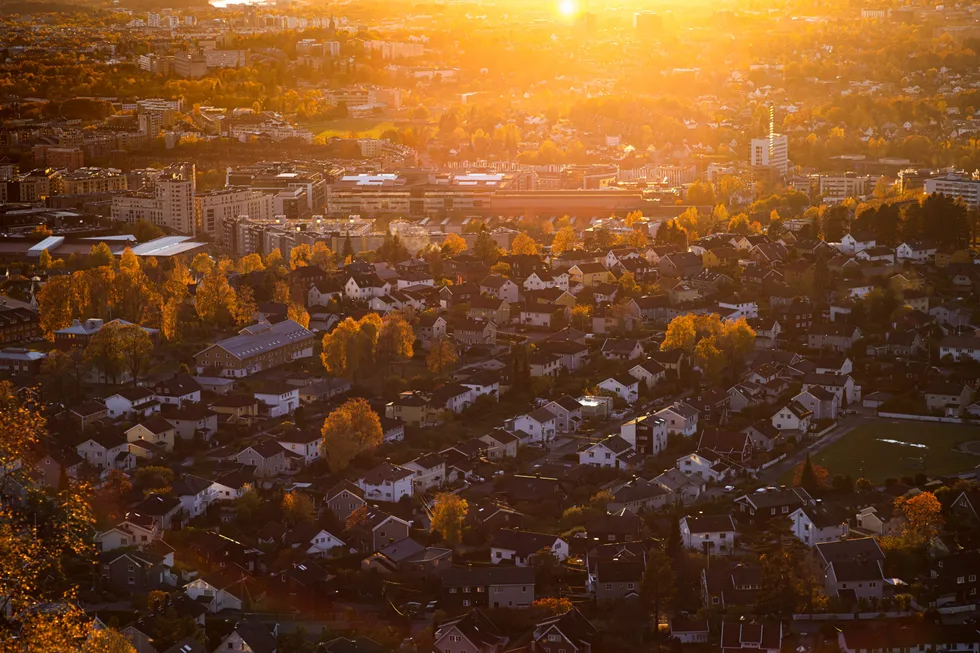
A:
(258, 347)
(960, 186)
(213, 208)
(170, 204)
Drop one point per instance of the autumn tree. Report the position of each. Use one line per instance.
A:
(100, 255)
(136, 349)
(453, 245)
(202, 264)
(322, 256)
(563, 241)
(104, 352)
(342, 351)
(681, 334)
(298, 313)
(62, 374)
(281, 294)
(442, 356)
(628, 285)
(550, 606)
(297, 508)
(396, 339)
(710, 359)
(245, 306)
(523, 245)
(349, 430)
(448, 515)
(923, 517)
(56, 305)
(300, 256)
(274, 259)
(46, 540)
(214, 300)
(251, 263)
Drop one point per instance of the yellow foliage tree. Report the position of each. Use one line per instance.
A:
(681, 334)
(274, 259)
(215, 299)
(251, 263)
(448, 516)
(710, 359)
(297, 508)
(396, 338)
(923, 517)
(523, 244)
(56, 305)
(349, 430)
(298, 313)
(563, 241)
(202, 264)
(322, 256)
(300, 256)
(453, 245)
(442, 356)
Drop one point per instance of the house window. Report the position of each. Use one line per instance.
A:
(452, 590)
(608, 586)
(973, 578)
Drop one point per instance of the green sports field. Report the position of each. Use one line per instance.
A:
(891, 449)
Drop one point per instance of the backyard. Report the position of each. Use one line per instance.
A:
(891, 449)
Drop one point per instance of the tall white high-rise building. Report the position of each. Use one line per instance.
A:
(169, 204)
(215, 207)
(771, 152)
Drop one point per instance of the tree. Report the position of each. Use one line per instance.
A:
(442, 355)
(347, 252)
(396, 339)
(453, 245)
(448, 516)
(62, 374)
(245, 306)
(248, 504)
(485, 248)
(811, 478)
(659, 583)
(348, 430)
(322, 256)
(136, 349)
(681, 334)
(106, 640)
(582, 317)
(523, 245)
(176, 281)
(923, 517)
(710, 359)
(104, 352)
(674, 546)
(392, 249)
(563, 241)
(551, 606)
(297, 508)
(100, 255)
(342, 353)
(274, 259)
(57, 305)
(628, 285)
(153, 477)
(296, 312)
(214, 300)
(739, 224)
(701, 194)
(44, 260)
(46, 541)
(202, 264)
(300, 256)
(145, 230)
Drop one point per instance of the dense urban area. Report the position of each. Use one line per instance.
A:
(474, 326)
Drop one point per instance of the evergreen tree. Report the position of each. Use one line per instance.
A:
(673, 546)
(485, 248)
(808, 480)
(522, 370)
(347, 251)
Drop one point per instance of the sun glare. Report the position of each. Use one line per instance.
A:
(568, 8)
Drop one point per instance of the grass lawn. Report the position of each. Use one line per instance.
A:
(364, 127)
(864, 452)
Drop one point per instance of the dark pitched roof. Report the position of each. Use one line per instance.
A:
(256, 635)
(496, 575)
(710, 523)
(524, 543)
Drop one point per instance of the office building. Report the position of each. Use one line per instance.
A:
(170, 203)
(958, 185)
(771, 152)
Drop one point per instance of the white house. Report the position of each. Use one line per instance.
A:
(650, 373)
(306, 444)
(793, 417)
(387, 482)
(960, 348)
(623, 386)
(107, 451)
(521, 546)
(430, 471)
(321, 543)
(709, 533)
(812, 525)
(195, 494)
(222, 595)
(278, 400)
(541, 425)
(851, 244)
(915, 252)
(681, 418)
(132, 403)
(706, 465)
(500, 287)
(647, 434)
(366, 287)
(613, 452)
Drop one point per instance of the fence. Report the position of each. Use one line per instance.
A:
(922, 418)
(768, 464)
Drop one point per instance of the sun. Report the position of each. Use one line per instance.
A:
(567, 8)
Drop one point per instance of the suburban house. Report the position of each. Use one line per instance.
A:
(709, 533)
(520, 546)
(387, 482)
(681, 418)
(853, 569)
(493, 586)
